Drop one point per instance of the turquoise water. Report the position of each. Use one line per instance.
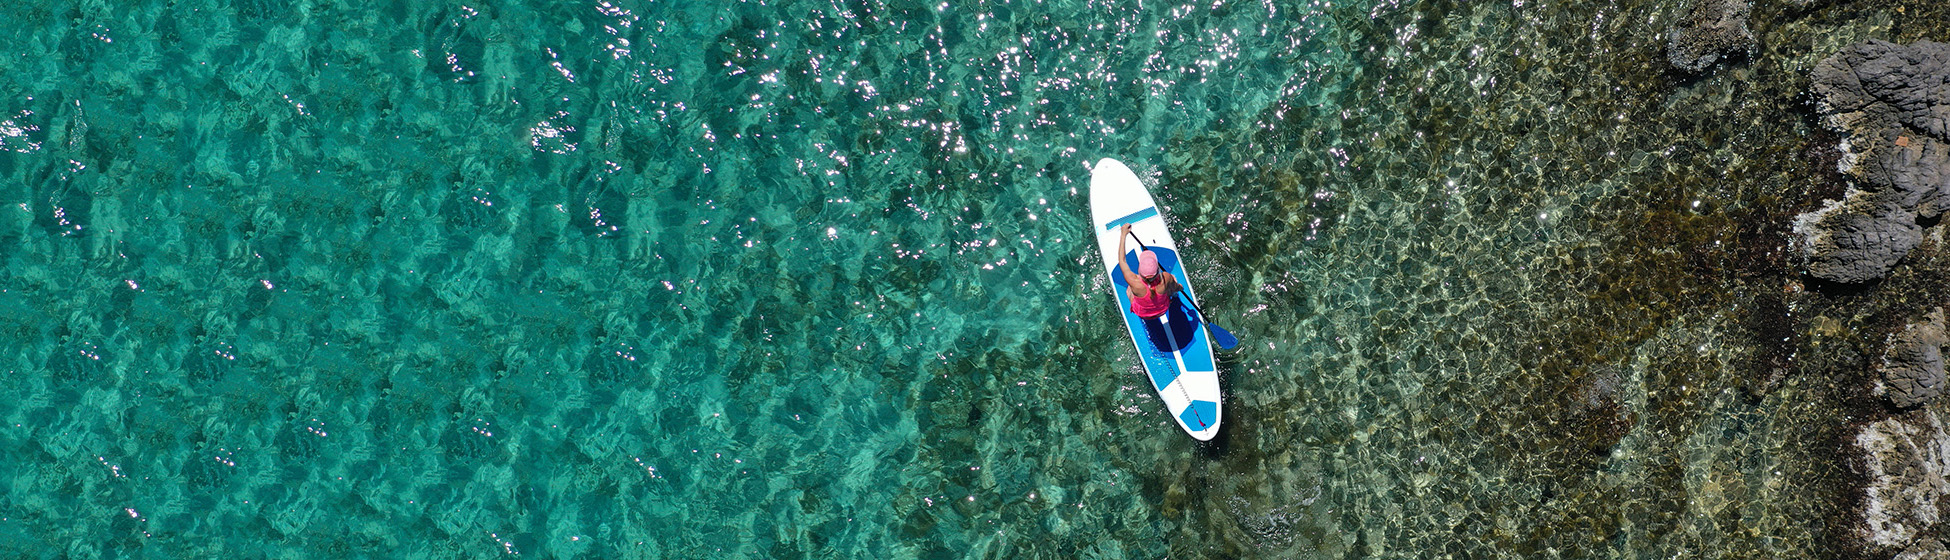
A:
(795, 279)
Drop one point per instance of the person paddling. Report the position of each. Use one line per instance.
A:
(1150, 288)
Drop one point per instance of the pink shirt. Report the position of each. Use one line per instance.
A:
(1153, 304)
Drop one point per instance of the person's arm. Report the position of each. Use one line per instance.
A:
(1130, 278)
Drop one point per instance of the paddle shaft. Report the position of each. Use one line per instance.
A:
(1188, 297)
(1220, 336)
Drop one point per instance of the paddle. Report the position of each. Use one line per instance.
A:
(1221, 336)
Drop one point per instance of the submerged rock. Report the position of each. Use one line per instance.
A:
(1912, 370)
(1711, 29)
(1905, 463)
(1599, 414)
(1893, 102)
(1926, 548)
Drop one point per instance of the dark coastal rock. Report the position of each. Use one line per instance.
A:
(1711, 29)
(1904, 459)
(1880, 84)
(1912, 370)
(1894, 104)
(1849, 244)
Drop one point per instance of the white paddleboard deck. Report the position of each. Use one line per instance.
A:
(1176, 350)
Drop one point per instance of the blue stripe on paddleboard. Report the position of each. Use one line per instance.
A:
(1198, 354)
(1135, 217)
(1200, 415)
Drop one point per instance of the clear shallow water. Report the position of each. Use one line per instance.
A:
(804, 279)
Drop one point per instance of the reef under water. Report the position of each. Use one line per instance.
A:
(797, 279)
(1650, 362)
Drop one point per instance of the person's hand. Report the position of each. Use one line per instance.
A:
(1125, 230)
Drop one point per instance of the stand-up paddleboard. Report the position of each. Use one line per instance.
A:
(1177, 351)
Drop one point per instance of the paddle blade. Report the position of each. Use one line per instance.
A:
(1222, 337)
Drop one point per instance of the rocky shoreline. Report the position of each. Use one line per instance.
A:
(1891, 103)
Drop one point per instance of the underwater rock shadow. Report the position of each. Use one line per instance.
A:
(1214, 449)
(1710, 32)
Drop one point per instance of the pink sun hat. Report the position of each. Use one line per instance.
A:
(1147, 263)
